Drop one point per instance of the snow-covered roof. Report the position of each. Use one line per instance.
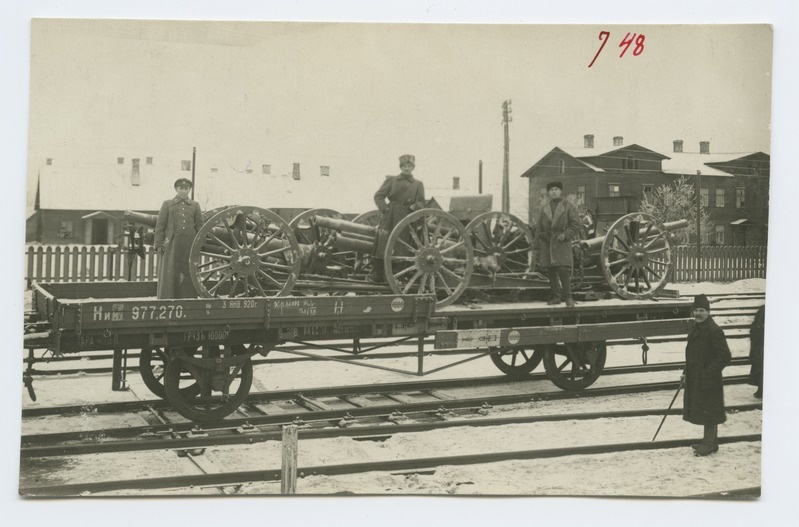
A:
(689, 163)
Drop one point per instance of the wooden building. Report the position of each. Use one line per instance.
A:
(612, 181)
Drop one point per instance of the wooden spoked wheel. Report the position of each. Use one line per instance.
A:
(636, 256)
(317, 245)
(371, 218)
(152, 368)
(309, 233)
(575, 366)
(429, 251)
(222, 375)
(517, 361)
(244, 252)
(503, 244)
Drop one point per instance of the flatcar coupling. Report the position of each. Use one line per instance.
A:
(644, 350)
(27, 380)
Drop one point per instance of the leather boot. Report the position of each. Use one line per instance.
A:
(554, 286)
(709, 443)
(564, 273)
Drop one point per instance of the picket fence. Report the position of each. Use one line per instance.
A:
(72, 263)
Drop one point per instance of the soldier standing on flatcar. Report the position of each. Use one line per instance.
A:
(405, 195)
(558, 224)
(706, 355)
(178, 222)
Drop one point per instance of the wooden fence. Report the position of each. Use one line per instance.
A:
(719, 264)
(71, 263)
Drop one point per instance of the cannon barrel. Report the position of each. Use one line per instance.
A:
(345, 226)
(140, 217)
(595, 244)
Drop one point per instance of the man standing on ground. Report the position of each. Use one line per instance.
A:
(558, 224)
(706, 355)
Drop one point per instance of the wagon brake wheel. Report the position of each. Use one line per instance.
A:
(636, 256)
(152, 368)
(576, 365)
(220, 390)
(517, 361)
(429, 252)
(502, 243)
(244, 252)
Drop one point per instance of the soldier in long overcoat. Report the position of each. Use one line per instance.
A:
(757, 335)
(558, 224)
(178, 222)
(405, 195)
(706, 355)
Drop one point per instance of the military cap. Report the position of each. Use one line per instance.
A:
(701, 301)
(407, 158)
(183, 182)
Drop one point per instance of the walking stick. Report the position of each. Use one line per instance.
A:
(682, 381)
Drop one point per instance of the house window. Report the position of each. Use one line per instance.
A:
(720, 201)
(148, 160)
(740, 197)
(65, 229)
(120, 161)
(614, 189)
(49, 160)
(456, 183)
(134, 172)
(646, 191)
(325, 171)
(562, 166)
(705, 237)
(266, 169)
(581, 194)
(185, 165)
(630, 163)
(719, 234)
(704, 195)
(295, 171)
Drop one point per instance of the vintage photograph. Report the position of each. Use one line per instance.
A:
(395, 259)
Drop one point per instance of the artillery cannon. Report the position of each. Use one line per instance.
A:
(249, 251)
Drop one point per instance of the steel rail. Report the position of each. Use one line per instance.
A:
(237, 478)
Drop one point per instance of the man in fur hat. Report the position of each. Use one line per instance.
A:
(405, 195)
(558, 224)
(706, 355)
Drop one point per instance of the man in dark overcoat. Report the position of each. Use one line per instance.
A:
(706, 355)
(757, 335)
(405, 195)
(558, 224)
(178, 222)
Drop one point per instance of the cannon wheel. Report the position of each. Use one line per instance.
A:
(231, 384)
(636, 256)
(517, 361)
(503, 238)
(576, 365)
(310, 233)
(243, 252)
(152, 368)
(429, 251)
(371, 218)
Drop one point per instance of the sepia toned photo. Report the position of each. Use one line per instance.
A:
(395, 259)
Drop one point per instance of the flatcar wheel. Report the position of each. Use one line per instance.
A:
(636, 256)
(429, 252)
(219, 392)
(152, 369)
(518, 361)
(503, 244)
(244, 252)
(575, 366)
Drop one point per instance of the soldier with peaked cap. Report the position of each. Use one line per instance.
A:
(706, 355)
(178, 222)
(405, 195)
(558, 224)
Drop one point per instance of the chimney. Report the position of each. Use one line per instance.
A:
(678, 146)
(295, 173)
(618, 141)
(704, 147)
(588, 141)
(134, 172)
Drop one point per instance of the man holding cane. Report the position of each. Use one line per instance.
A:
(706, 355)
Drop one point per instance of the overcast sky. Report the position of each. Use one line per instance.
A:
(356, 96)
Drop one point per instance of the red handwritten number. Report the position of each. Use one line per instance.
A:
(625, 42)
(639, 45)
(604, 36)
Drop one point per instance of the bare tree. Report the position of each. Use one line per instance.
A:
(677, 201)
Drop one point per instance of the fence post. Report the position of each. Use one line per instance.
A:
(288, 473)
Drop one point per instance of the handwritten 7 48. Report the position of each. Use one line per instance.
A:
(625, 43)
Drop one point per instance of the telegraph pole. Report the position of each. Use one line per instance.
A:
(506, 118)
(193, 161)
(698, 225)
(480, 177)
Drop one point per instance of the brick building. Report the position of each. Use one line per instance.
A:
(612, 181)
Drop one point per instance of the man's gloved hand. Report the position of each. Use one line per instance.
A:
(160, 250)
(561, 237)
